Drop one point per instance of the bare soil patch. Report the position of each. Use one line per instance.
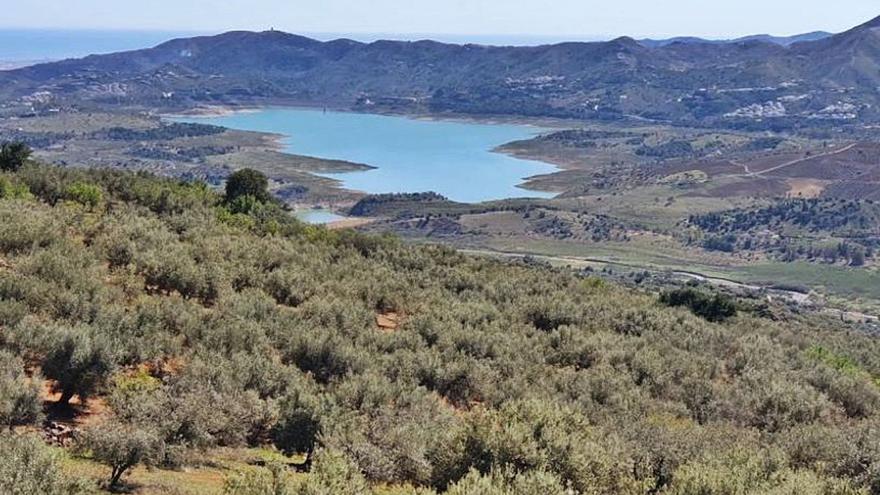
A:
(805, 188)
(389, 322)
(76, 414)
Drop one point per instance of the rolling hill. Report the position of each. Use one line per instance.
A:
(749, 83)
(779, 40)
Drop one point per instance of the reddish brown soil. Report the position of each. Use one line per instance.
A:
(389, 321)
(76, 414)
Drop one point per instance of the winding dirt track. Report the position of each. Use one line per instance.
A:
(750, 173)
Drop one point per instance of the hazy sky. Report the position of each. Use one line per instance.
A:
(551, 18)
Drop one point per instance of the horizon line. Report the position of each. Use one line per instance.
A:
(407, 36)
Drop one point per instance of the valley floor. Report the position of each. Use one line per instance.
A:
(626, 191)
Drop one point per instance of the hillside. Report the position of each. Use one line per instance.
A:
(748, 83)
(200, 325)
(779, 40)
(831, 230)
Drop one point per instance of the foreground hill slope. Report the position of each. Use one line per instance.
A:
(202, 325)
(752, 82)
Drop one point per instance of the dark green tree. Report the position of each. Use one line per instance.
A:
(717, 307)
(79, 363)
(247, 182)
(13, 156)
(857, 256)
(299, 425)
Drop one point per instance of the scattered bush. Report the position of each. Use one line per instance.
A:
(717, 307)
(29, 467)
(333, 472)
(85, 194)
(507, 482)
(20, 402)
(13, 156)
(725, 243)
(276, 480)
(11, 190)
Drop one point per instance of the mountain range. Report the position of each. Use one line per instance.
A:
(755, 83)
(768, 38)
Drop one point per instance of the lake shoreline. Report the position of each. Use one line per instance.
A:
(547, 123)
(278, 140)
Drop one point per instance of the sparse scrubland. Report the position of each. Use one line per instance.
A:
(831, 230)
(202, 323)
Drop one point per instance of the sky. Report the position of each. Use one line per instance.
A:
(451, 19)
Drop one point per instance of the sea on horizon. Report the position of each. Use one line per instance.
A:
(20, 46)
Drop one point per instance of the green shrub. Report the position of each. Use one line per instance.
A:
(275, 480)
(12, 190)
(508, 482)
(26, 226)
(298, 427)
(715, 307)
(244, 205)
(86, 194)
(332, 473)
(13, 156)
(740, 472)
(20, 402)
(29, 467)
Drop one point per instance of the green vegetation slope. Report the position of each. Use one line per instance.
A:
(202, 324)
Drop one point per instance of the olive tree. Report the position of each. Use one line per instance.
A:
(19, 395)
(79, 362)
(299, 424)
(121, 447)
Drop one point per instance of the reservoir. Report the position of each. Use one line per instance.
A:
(452, 158)
(316, 216)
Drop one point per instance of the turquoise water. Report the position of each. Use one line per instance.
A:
(454, 159)
(317, 216)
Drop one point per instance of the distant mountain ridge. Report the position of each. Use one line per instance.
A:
(751, 83)
(767, 38)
